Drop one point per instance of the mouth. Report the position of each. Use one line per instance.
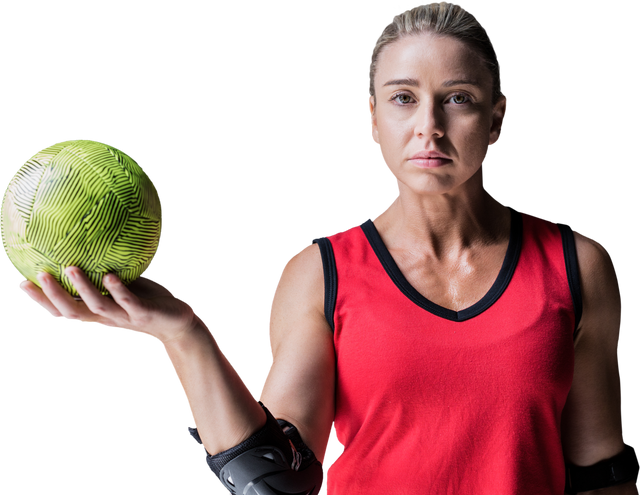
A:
(430, 155)
(430, 162)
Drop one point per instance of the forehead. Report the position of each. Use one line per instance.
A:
(430, 58)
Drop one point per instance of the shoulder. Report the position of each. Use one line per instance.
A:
(597, 275)
(599, 287)
(593, 259)
(307, 257)
(304, 271)
(301, 279)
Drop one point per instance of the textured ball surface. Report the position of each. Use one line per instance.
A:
(84, 204)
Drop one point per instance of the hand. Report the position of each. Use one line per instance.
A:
(143, 306)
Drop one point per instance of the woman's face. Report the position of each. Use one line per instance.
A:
(433, 115)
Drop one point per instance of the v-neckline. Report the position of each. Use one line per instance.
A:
(497, 289)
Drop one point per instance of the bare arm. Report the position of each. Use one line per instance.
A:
(224, 410)
(591, 423)
(221, 405)
(300, 385)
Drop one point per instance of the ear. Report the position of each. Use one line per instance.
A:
(374, 120)
(499, 109)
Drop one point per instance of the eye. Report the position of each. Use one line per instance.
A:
(402, 98)
(459, 99)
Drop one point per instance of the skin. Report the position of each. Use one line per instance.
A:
(145, 307)
(446, 210)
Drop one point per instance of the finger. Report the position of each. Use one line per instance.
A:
(62, 300)
(121, 295)
(38, 296)
(91, 296)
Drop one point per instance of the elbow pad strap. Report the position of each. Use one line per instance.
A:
(272, 461)
(616, 470)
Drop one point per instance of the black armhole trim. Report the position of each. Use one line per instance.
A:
(330, 278)
(571, 264)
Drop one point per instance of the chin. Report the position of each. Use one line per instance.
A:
(439, 184)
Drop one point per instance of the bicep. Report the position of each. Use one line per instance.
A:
(300, 387)
(591, 423)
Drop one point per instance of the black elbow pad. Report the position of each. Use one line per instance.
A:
(273, 461)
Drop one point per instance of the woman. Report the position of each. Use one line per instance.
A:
(440, 338)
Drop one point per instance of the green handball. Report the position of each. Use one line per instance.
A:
(84, 204)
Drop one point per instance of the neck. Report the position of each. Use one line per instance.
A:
(444, 224)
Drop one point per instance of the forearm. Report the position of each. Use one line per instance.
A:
(624, 489)
(224, 410)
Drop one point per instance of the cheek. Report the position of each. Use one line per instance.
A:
(476, 141)
(393, 135)
(474, 137)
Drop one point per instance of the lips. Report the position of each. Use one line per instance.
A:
(430, 159)
(429, 155)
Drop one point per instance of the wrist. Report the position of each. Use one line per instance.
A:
(192, 334)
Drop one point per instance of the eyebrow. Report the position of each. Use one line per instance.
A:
(447, 84)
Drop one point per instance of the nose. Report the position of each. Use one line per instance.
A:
(429, 121)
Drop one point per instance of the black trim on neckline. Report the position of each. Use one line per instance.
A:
(496, 290)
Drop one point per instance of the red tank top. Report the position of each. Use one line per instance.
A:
(431, 400)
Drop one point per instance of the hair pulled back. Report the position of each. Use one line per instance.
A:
(443, 18)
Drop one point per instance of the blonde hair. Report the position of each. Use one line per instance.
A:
(443, 19)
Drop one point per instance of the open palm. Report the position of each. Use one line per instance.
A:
(144, 305)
